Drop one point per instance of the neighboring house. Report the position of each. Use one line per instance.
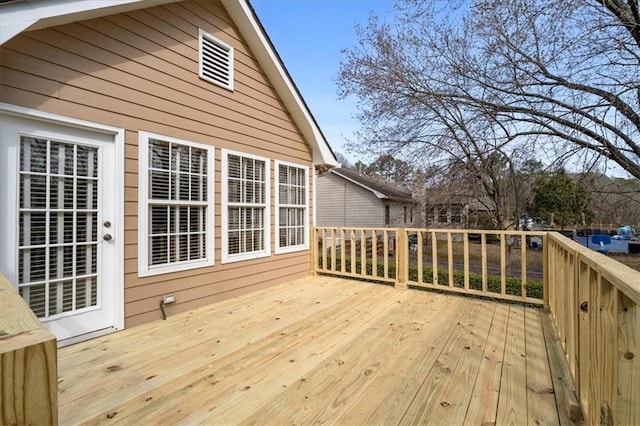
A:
(459, 212)
(148, 148)
(346, 197)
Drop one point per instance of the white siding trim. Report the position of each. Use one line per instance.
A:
(226, 257)
(144, 269)
(301, 247)
(314, 208)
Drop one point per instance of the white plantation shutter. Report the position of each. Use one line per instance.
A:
(177, 203)
(245, 198)
(176, 216)
(57, 226)
(291, 207)
(216, 61)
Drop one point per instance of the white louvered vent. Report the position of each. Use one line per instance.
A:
(216, 61)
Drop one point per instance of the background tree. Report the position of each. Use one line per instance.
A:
(500, 77)
(343, 160)
(558, 198)
(528, 173)
(617, 199)
(392, 170)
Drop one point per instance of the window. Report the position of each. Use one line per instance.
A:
(387, 214)
(215, 61)
(456, 213)
(291, 207)
(443, 214)
(430, 214)
(176, 205)
(245, 208)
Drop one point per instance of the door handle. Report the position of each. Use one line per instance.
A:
(107, 237)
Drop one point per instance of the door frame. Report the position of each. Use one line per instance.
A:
(118, 135)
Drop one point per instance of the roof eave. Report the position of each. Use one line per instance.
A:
(378, 194)
(24, 16)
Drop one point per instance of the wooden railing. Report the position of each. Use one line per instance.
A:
(592, 299)
(506, 265)
(28, 364)
(594, 303)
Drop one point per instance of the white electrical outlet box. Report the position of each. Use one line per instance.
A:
(169, 298)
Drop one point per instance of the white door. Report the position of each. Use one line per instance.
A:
(58, 222)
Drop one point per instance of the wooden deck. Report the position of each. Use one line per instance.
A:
(318, 350)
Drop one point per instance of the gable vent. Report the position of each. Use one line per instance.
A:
(216, 61)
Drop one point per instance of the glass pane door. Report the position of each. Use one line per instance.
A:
(58, 226)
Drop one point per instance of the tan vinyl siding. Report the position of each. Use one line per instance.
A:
(139, 71)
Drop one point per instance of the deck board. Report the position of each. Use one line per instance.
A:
(513, 384)
(486, 390)
(317, 350)
(541, 402)
(403, 378)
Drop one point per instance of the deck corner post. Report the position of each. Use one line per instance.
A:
(546, 270)
(402, 261)
(29, 360)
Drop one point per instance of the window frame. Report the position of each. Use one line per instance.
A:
(202, 34)
(305, 245)
(224, 205)
(144, 269)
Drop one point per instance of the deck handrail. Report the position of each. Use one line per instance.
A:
(349, 252)
(593, 300)
(594, 304)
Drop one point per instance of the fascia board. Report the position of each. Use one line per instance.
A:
(18, 17)
(243, 16)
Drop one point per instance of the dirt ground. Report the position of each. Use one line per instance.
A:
(631, 260)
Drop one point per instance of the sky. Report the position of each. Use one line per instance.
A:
(309, 36)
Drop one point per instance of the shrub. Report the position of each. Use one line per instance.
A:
(513, 285)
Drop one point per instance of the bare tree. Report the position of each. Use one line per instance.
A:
(343, 160)
(498, 79)
(403, 114)
(616, 201)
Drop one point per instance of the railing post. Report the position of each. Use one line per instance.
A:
(545, 270)
(402, 259)
(313, 246)
(28, 356)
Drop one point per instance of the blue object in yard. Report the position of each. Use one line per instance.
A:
(626, 232)
(601, 249)
(535, 242)
(601, 239)
(614, 246)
